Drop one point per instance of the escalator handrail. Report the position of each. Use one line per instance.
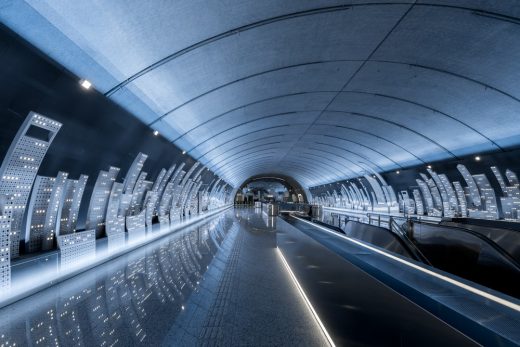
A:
(411, 247)
(468, 227)
(399, 238)
(486, 240)
(482, 225)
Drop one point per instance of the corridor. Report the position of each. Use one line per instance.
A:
(220, 283)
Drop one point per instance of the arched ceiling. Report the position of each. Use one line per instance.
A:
(315, 90)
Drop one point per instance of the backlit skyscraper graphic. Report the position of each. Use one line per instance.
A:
(20, 166)
(99, 200)
(69, 211)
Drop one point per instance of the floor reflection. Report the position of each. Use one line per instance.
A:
(134, 299)
(219, 284)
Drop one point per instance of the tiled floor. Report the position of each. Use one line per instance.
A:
(253, 303)
(218, 284)
(223, 283)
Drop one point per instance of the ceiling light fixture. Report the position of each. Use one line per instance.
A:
(398, 172)
(183, 152)
(429, 166)
(477, 158)
(155, 133)
(85, 84)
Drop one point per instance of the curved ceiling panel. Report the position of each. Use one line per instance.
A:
(498, 41)
(415, 119)
(315, 90)
(215, 137)
(244, 138)
(487, 110)
(256, 109)
(327, 76)
(267, 49)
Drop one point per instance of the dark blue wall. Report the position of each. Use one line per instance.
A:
(96, 132)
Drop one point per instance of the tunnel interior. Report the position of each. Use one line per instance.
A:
(216, 156)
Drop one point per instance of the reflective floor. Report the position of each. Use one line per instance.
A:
(221, 283)
(225, 283)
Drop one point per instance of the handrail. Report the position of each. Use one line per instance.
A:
(425, 270)
(488, 241)
(388, 217)
(412, 248)
(385, 214)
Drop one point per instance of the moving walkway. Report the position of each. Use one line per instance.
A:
(473, 250)
(484, 315)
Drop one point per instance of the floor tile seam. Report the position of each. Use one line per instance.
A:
(216, 311)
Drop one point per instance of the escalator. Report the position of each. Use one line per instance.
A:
(479, 253)
(476, 253)
(459, 303)
(504, 234)
(394, 240)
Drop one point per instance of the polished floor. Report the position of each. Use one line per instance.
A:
(227, 282)
(221, 283)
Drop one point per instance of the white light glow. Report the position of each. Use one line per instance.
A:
(155, 133)
(477, 158)
(421, 269)
(304, 296)
(36, 281)
(85, 84)
(183, 152)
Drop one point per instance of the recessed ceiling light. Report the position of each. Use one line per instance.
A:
(85, 84)
(398, 172)
(477, 158)
(155, 133)
(429, 166)
(183, 152)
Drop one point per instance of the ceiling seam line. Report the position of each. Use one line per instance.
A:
(346, 150)
(248, 77)
(226, 172)
(249, 133)
(310, 156)
(428, 108)
(356, 72)
(242, 152)
(244, 106)
(245, 123)
(362, 92)
(242, 155)
(397, 125)
(377, 136)
(306, 169)
(332, 153)
(267, 21)
(356, 143)
(247, 143)
(237, 30)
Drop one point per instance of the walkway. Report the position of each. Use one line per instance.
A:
(221, 283)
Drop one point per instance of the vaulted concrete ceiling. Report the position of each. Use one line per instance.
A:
(315, 90)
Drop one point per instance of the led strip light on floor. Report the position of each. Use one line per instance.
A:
(452, 281)
(304, 296)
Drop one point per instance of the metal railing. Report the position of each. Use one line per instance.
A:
(379, 217)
